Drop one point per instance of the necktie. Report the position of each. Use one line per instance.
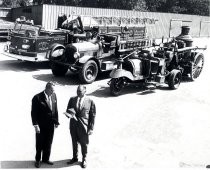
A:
(50, 102)
(79, 103)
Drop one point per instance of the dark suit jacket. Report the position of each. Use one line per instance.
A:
(85, 115)
(41, 113)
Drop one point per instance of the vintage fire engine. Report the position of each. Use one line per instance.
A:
(112, 37)
(30, 42)
(165, 63)
(97, 54)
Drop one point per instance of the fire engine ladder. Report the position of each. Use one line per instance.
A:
(127, 46)
(123, 21)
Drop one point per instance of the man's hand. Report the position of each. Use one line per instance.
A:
(67, 114)
(90, 132)
(37, 129)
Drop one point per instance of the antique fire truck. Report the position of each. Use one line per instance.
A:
(29, 42)
(159, 64)
(97, 54)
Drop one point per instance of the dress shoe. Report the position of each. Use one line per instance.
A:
(84, 164)
(37, 164)
(48, 162)
(73, 160)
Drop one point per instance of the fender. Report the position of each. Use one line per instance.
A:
(52, 48)
(117, 73)
(85, 58)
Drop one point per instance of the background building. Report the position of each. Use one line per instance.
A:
(167, 24)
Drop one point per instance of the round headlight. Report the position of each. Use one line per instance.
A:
(58, 52)
(8, 43)
(25, 46)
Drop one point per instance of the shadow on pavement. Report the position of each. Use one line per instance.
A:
(104, 91)
(15, 65)
(30, 164)
(186, 79)
(69, 79)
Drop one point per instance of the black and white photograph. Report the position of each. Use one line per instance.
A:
(105, 84)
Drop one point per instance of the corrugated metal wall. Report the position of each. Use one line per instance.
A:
(48, 15)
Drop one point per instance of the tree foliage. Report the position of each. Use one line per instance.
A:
(15, 3)
(195, 7)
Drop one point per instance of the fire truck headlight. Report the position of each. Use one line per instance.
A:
(8, 43)
(76, 55)
(25, 46)
(58, 52)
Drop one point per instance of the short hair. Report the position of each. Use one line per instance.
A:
(49, 84)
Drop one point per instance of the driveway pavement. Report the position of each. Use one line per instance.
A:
(140, 129)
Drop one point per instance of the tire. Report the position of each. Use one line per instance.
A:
(116, 86)
(58, 69)
(197, 67)
(88, 72)
(174, 79)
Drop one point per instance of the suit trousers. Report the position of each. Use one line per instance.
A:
(79, 136)
(44, 142)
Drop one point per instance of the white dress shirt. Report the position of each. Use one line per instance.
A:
(80, 102)
(49, 99)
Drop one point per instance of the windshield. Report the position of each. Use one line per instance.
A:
(23, 28)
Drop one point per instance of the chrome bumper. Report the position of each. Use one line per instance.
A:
(39, 58)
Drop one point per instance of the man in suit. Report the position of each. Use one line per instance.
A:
(82, 111)
(44, 114)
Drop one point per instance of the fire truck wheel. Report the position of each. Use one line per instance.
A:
(88, 72)
(197, 67)
(174, 79)
(58, 69)
(116, 86)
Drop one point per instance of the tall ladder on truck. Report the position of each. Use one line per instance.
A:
(132, 30)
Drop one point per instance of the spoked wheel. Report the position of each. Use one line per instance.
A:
(197, 67)
(116, 86)
(174, 79)
(89, 72)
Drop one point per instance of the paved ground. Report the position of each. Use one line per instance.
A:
(139, 129)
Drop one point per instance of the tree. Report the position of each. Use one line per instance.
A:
(140, 6)
(173, 6)
(15, 3)
(196, 7)
(155, 5)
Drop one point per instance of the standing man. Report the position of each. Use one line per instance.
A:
(44, 114)
(82, 111)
